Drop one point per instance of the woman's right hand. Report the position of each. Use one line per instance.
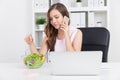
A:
(29, 39)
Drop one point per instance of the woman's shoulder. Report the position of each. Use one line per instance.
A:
(79, 31)
(78, 34)
(75, 31)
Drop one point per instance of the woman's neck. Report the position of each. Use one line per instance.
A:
(60, 34)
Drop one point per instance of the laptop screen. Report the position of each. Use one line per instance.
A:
(75, 63)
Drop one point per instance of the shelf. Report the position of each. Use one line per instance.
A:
(85, 9)
(39, 30)
(43, 10)
(99, 9)
(75, 9)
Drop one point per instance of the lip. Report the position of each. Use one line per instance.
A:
(56, 26)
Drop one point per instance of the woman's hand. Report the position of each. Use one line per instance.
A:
(64, 25)
(29, 39)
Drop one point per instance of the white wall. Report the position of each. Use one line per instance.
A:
(114, 53)
(16, 22)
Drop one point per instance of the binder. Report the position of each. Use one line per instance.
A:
(90, 3)
(96, 3)
(101, 3)
(66, 3)
(40, 4)
(75, 20)
(82, 19)
(91, 18)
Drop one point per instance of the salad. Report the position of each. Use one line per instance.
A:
(34, 60)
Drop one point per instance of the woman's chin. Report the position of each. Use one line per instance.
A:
(57, 27)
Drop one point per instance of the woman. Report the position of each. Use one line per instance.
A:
(59, 36)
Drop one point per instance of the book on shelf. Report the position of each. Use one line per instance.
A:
(96, 3)
(79, 21)
(101, 3)
(101, 19)
(90, 3)
(91, 20)
(67, 3)
(40, 4)
(82, 19)
(74, 21)
(54, 1)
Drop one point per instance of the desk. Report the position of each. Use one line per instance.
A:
(18, 71)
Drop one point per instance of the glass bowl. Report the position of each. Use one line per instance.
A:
(34, 60)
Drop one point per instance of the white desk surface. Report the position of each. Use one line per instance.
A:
(18, 71)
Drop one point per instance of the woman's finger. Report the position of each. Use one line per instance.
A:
(62, 28)
(30, 37)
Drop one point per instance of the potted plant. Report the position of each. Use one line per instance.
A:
(41, 23)
(78, 3)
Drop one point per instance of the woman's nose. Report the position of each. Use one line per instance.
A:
(54, 20)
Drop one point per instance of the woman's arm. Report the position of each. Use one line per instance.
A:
(43, 50)
(77, 42)
(29, 40)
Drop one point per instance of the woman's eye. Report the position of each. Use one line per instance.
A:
(56, 17)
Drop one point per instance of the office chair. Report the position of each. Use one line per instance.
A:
(96, 39)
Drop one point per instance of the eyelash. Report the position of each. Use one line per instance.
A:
(55, 18)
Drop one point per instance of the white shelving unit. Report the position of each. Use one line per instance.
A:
(92, 13)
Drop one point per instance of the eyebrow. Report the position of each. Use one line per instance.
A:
(55, 16)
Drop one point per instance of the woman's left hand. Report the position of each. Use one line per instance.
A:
(64, 27)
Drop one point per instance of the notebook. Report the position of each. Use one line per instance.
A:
(75, 63)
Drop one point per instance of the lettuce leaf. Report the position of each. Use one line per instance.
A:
(34, 60)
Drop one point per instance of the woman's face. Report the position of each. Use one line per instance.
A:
(56, 18)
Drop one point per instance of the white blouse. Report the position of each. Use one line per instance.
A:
(60, 43)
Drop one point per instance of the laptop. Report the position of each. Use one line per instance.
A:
(75, 63)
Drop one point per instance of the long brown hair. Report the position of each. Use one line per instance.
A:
(50, 31)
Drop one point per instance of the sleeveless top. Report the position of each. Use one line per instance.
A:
(60, 43)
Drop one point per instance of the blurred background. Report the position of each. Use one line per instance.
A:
(16, 23)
